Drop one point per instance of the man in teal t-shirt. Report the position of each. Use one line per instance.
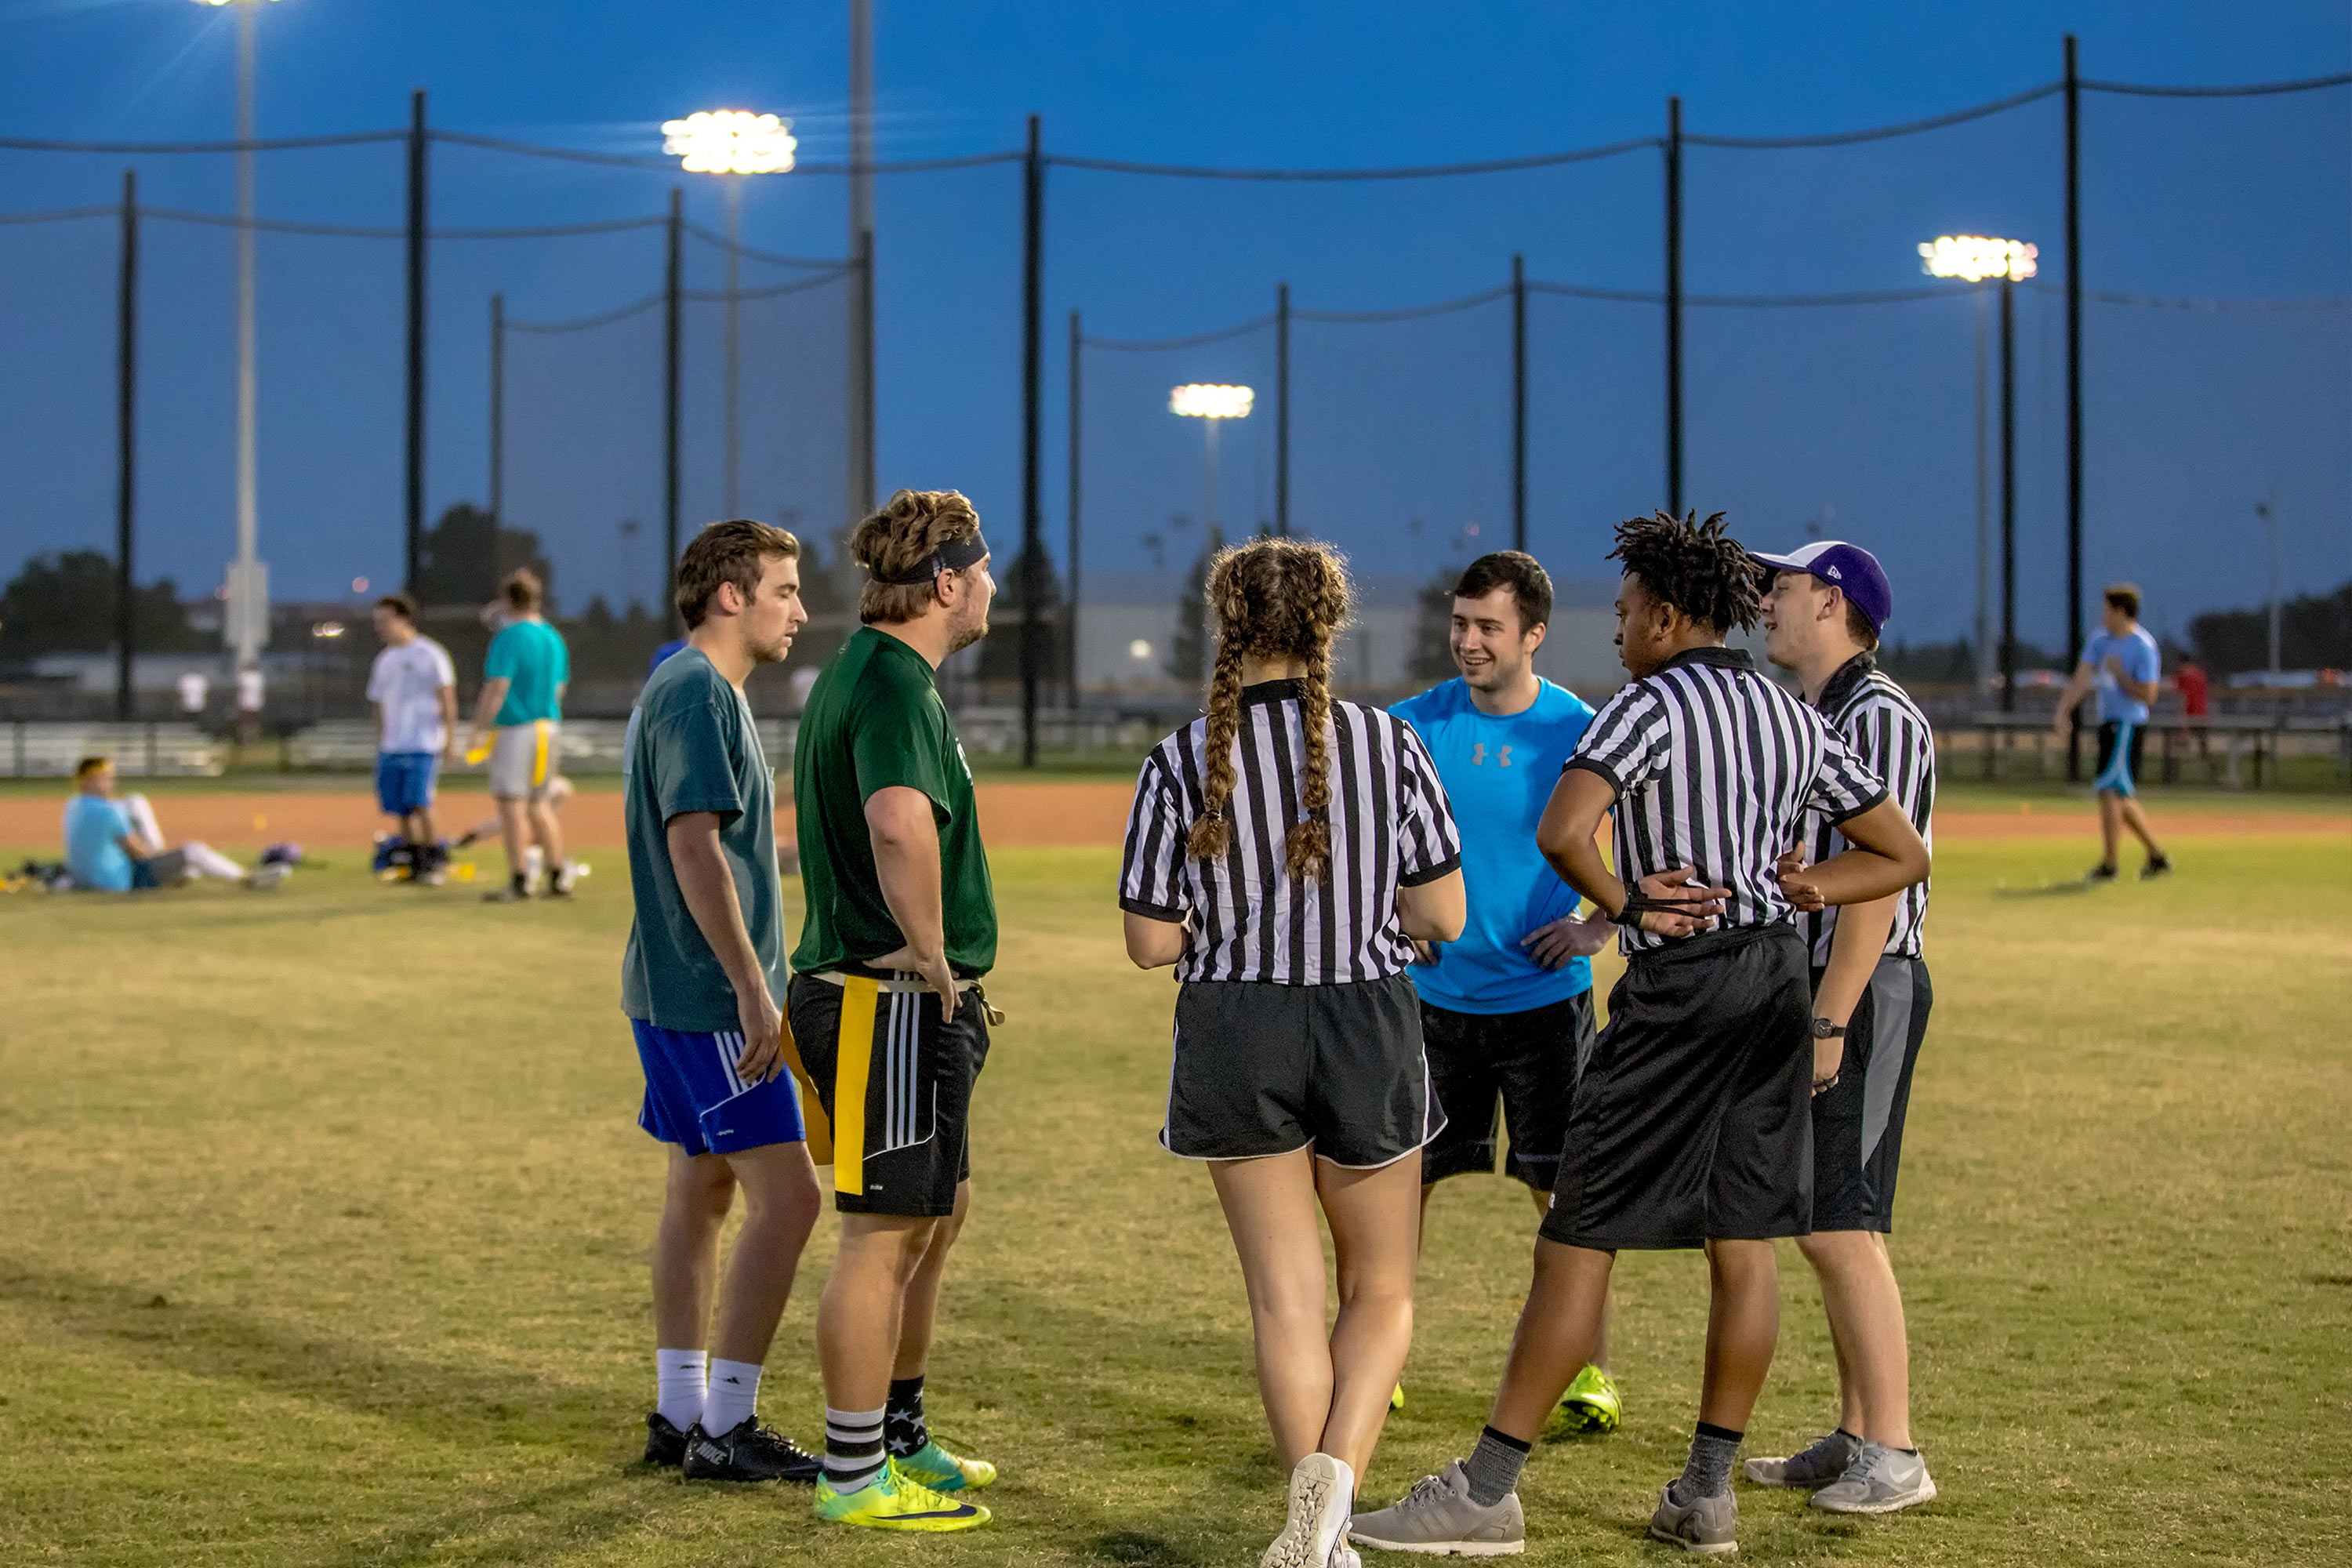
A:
(521, 704)
(1507, 1009)
(2122, 663)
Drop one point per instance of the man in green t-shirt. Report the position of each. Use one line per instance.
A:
(889, 1021)
(700, 980)
(523, 678)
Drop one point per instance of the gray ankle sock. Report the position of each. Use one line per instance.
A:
(1493, 1467)
(1709, 1473)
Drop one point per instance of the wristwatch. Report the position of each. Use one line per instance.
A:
(1825, 1030)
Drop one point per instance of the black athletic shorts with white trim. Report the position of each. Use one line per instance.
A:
(893, 1080)
(1497, 1069)
(1693, 1122)
(1260, 1069)
(1858, 1125)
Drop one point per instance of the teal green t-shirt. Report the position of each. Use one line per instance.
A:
(529, 656)
(692, 745)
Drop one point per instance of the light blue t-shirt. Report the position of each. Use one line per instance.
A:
(2138, 655)
(1499, 774)
(94, 855)
(529, 656)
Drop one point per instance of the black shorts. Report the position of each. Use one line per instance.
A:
(1262, 1069)
(894, 1082)
(2130, 739)
(1490, 1068)
(1693, 1123)
(1858, 1125)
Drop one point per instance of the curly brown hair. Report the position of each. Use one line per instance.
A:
(736, 550)
(1273, 598)
(1694, 566)
(893, 542)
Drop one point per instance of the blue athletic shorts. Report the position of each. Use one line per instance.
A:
(403, 781)
(694, 1099)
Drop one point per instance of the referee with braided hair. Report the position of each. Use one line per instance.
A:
(1691, 1127)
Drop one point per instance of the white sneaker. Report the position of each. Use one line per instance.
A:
(1322, 1489)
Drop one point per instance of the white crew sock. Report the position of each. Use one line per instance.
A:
(534, 861)
(733, 1396)
(678, 1377)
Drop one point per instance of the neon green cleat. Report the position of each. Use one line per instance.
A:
(942, 1471)
(893, 1500)
(1591, 1404)
(1396, 1397)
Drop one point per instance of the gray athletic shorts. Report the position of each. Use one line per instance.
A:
(1858, 1125)
(524, 759)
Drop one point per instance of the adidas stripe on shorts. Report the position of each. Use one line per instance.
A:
(893, 1082)
(696, 1100)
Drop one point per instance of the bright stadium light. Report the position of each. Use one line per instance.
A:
(733, 143)
(1212, 404)
(729, 141)
(1977, 259)
(1972, 258)
(1203, 401)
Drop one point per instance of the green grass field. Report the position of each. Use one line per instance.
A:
(324, 1220)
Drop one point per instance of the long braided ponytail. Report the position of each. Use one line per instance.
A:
(1273, 598)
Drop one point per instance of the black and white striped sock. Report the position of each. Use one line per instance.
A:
(853, 1448)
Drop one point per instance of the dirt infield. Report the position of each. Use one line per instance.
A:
(1011, 814)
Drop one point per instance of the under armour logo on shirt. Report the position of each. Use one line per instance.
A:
(1478, 755)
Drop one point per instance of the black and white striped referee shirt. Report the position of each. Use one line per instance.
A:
(1717, 768)
(1245, 918)
(1887, 733)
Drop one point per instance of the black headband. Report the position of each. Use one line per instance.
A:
(955, 555)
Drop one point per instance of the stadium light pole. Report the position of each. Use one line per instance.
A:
(248, 577)
(1973, 260)
(861, 249)
(1211, 405)
(126, 438)
(732, 143)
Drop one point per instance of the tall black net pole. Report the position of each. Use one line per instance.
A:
(2073, 394)
(497, 410)
(1070, 624)
(417, 144)
(1282, 409)
(673, 289)
(2008, 494)
(1519, 401)
(126, 446)
(1033, 351)
(861, 362)
(1674, 306)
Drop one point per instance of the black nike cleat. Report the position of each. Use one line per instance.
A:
(2157, 865)
(750, 1453)
(2099, 876)
(664, 1444)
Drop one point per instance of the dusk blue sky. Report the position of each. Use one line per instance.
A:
(1855, 420)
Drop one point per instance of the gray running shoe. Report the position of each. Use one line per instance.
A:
(1880, 1481)
(1438, 1517)
(1704, 1525)
(1819, 1463)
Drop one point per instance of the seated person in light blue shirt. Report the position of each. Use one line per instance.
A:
(117, 846)
(2122, 663)
(1507, 1010)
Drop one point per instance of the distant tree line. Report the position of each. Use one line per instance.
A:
(2315, 633)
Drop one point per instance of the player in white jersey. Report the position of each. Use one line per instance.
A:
(1823, 610)
(415, 688)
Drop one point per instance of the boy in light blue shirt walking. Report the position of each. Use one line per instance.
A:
(2122, 663)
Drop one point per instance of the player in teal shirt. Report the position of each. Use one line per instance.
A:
(1507, 1010)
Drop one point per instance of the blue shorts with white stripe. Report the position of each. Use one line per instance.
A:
(695, 1098)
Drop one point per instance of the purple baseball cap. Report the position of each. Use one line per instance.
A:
(1849, 568)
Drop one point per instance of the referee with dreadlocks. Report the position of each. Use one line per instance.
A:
(1691, 1127)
